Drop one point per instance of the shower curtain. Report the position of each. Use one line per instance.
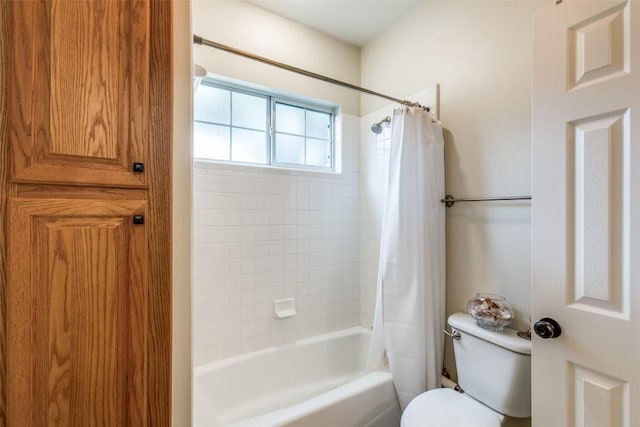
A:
(410, 297)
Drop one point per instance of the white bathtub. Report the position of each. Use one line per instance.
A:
(318, 381)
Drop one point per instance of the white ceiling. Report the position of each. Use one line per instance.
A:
(352, 21)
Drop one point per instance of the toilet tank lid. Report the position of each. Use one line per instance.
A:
(508, 338)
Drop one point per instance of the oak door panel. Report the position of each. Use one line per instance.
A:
(79, 91)
(77, 313)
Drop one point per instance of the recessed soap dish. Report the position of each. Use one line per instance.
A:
(283, 308)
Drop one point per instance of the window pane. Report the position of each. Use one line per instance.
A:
(252, 127)
(289, 149)
(289, 119)
(249, 146)
(212, 105)
(210, 141)
(249, 111)
(318, 124)
(318, 153)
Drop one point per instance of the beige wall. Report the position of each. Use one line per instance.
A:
(181, 358)
(247, 27)
(480, 52)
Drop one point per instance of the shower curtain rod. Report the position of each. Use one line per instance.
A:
(209, 43)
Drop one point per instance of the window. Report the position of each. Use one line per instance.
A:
(239, 125)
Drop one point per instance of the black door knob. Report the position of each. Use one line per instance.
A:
(547, 328)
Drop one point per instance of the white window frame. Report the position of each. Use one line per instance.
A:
(307, 106)
(274, 98)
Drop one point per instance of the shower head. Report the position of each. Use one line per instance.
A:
(377, 127)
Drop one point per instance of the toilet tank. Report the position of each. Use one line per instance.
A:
(493, 367)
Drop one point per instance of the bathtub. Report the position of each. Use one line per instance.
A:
(318, 381)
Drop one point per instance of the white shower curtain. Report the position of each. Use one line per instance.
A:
(409, 313)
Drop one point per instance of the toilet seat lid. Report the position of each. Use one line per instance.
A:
(447, 408)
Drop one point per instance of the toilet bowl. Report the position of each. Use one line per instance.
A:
(494, 370)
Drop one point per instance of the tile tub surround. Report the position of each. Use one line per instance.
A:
(262, 234)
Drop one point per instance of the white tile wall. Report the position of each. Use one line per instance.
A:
(262, 234)
(374, 157)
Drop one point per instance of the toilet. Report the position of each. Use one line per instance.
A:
(494, 370)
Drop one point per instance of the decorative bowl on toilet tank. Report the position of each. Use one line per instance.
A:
(490, 311)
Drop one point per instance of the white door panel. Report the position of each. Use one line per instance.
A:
(586, 217)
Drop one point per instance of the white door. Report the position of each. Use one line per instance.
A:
(586, 213)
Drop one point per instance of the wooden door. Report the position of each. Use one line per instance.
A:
(77, 312)
(85, 293)
(79, 78)
(586, 213)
